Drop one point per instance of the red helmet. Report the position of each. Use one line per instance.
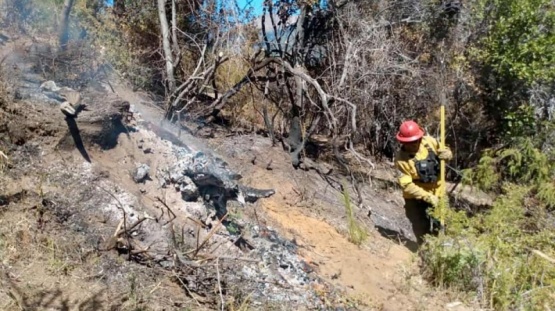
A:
(409, 131)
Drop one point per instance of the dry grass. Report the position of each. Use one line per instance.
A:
(45, 265)
(3, 161)
(357, 233)
(4, 99)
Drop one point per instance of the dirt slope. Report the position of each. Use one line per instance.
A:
(52, 223)
(382, 273)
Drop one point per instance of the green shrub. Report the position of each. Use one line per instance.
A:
(505, 254)
(521, 163)
(520, 38)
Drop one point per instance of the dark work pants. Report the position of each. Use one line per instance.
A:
(415, 210)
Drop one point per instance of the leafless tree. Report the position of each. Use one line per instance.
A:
(63, 34)
(346, 71)
(216, 34)
(168, 55)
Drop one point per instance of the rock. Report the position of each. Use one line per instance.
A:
(178, 170)
(454, 304)
(166, 264)
(141, 173)
(251, 195)
(4, 38)
(196, 210)
(49, 86)
(163, 177)
(189, 191)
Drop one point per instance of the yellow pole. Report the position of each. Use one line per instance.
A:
(443, 200)
(442, 167)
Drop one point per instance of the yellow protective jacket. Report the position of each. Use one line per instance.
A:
(413, 187)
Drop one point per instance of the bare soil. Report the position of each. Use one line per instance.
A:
(62, 196)
(382, 274)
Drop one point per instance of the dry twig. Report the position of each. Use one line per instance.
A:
(212, 232)
(219, 283)
(173, 216)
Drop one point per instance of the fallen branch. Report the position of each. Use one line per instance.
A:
(123, 229)
(112, 242)
(4, 160)
(358, 156)
(185, 262)
(212, 232)
(219, 283)
(116, 233)
(222, 242)
(196, 222)
(130, 229)
(212, 257)
(186, 288)
(542, 255)
(169, 210)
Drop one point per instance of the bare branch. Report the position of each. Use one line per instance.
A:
(166, 45)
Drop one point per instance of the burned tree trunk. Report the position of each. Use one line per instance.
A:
(63, 34)
(119, 7)
(174, 29)
(296, 130)
(165, 30)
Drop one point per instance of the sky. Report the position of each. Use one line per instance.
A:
(243, 4)
(256, 5)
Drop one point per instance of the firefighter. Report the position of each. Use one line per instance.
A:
(418, 163)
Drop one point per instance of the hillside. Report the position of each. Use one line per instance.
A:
(69, 185)
(186, 155)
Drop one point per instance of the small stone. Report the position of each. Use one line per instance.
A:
(141, 173)
(49, 86)
(453, 304)
(166, 264)
(196, 210)
(189, 192)
(162, 182)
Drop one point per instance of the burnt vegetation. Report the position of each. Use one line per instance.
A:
(331, 81)
(333, 76)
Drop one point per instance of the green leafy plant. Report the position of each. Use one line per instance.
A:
(520, 40)
(505, 255)
(512, 53)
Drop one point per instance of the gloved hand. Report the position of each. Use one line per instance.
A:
(445, 154)
(432, 199)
